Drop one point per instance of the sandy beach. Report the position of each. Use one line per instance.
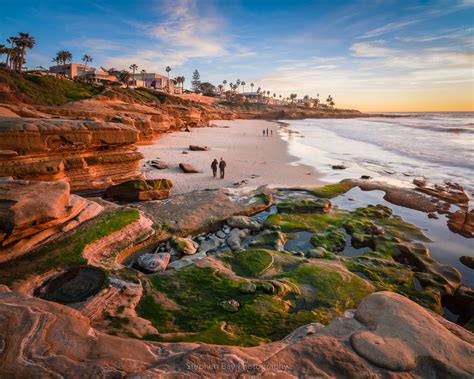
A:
(252, 159)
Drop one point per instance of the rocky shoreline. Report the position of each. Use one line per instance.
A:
(222, 282)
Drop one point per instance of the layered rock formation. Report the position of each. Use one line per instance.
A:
(389, 336)
(86, 154)
(31, 212)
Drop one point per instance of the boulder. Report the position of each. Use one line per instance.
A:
(141, 190)
(209, 244)
(156, 163)
(198, 148)
(184, 245)
(235, 238)
(271, 239)
(247, 287)
(154, 262)
(338, 167)
(243, 222)
(188, 168)
(231, 305)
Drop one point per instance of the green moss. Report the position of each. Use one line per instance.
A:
(117, 322)
(332, 190)
(251, 262)
(67, 251)
(315, 223)
(304, 206)
(333, 291)
(332, 241)
(387, 275)
(120, 309)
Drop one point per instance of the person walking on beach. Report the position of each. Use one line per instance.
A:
(264, 132)
(222, 165)
(267, 132)
(214, 165)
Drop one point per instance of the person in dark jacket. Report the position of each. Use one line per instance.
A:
(214, 165)
(222, 165)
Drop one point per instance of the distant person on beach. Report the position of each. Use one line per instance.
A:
(214, 165)
(222, 165)
(264, 132)
(271, 132)
(267, 132)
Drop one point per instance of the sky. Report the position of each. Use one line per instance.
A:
(371, 55)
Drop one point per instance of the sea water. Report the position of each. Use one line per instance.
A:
(438, 146)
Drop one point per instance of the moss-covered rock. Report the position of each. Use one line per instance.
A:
(305, 206)
(247, 287)
(316, 223)
(319, 252)
(141, 190)
(251, 262)
(332, 190)
(184, 245)
(332, 241)
(270, 239)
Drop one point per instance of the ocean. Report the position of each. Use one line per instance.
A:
(438, 146)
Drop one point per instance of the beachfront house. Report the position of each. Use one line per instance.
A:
(71, 70)
(154, 81)
(98, 76)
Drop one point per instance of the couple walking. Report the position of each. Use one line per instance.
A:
(221, 165)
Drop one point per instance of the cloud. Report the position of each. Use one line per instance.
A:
(372, 49)
(388, 28)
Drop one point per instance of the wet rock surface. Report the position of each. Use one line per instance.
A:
(72, 286)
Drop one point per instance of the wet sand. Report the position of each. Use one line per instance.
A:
(252, 159)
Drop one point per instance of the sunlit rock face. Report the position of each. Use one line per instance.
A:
(389, 335)
(87, 154)
(31, 212)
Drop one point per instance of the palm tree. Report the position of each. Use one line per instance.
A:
(243, 86)
(24, 41)
(86, 59)
(143, 72)
(125, 77)
(231, 85)
(12, 40)
(62, 57)
(224, 82)
(251, 86)
(168, 69)
(293, 96)
(220, 86)
(182, 84)
(133, 67)
(238, 84)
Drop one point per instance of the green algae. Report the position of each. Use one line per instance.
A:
(67, 251)
(251, 262)
(270, 311)
(332, 241)
(333, 190)
(316, 223)
(304, 206)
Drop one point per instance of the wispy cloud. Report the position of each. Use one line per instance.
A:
(392, 26)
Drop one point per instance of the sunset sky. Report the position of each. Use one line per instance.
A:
(369, 55)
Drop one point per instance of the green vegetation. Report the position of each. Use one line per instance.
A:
(313, 222)
(67, 251)
(333, 290)
(332, 241)
(304, 206)
(332, 190)
(48, 90)
(251, 262)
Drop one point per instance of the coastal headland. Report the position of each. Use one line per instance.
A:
(121, 255)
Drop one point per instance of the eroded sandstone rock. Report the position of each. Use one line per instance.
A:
(55, 339)
(30, 212)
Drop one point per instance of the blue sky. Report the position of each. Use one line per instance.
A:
(372, 55)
